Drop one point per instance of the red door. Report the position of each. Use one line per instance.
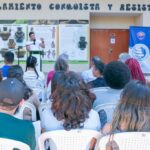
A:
(108, 44)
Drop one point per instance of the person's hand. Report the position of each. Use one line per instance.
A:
(107, 128)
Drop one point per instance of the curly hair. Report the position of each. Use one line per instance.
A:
(72, 101)
(116, 74)
(133, 110)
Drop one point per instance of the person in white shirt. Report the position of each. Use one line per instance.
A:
(34, 44)
(31, 71)
(34, 79)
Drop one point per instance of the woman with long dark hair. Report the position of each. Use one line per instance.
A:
(133, 110)
(31, 73)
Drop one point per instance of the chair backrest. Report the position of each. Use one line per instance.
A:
(38, 87)
(105, 112)
(41, 94)
(128, 141)
(8, 144)
(37, 127)
(68, 140)
(31, 107)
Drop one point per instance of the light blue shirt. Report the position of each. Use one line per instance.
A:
(106, 95)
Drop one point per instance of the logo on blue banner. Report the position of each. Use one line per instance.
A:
(141, 35)
(139, 46)
(140, 52)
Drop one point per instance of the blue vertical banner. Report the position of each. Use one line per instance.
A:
(139, 46)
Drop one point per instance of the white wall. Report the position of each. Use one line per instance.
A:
(111, 22)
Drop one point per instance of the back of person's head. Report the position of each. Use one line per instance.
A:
(64, 56)
(56, 79)
(61, 64)
(9, 57)
(116, 74)
(123, 57)
(95, 59)
(16, 71)
(72, 101)
(135, 70)
(11, 93)
(133, 110)
(31, 62)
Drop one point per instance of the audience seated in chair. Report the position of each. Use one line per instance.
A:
(35, 79)
(31, 72)
(133, 110)
(61, 64)
(8, 61)
(11, 96)
(71, 106)
(116, 75)
(97, 70)
(17, 72)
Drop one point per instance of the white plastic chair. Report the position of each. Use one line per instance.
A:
(68, 140)
(8, 144)
(37, 127)
(128, 141)
(41, 94)
(22, 108)
(38, 87)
